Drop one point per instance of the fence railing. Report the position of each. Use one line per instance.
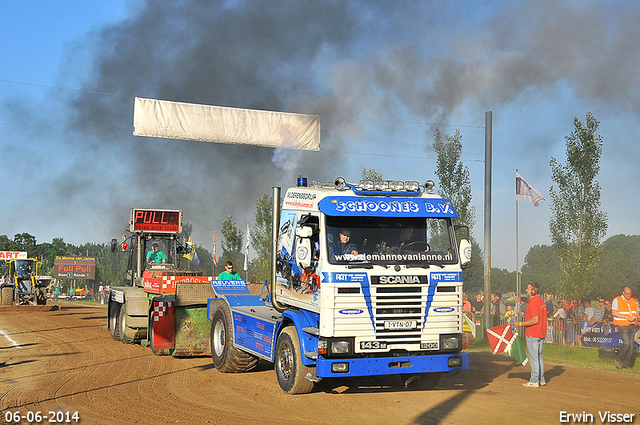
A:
(559, 331)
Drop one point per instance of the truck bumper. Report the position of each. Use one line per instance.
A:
(336, 368)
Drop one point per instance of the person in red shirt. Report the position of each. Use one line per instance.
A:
(535, 333)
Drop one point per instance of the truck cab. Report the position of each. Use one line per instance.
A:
(366, 280)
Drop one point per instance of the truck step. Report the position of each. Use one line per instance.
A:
(312, 331)
(312, 355)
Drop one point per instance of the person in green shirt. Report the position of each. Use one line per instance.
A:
(228, 273)
(155, 256)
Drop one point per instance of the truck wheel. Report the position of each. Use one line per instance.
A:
(126, 335)
(421, 381)
(226, 357)
(114, 320)
(290, 371)
(7, 295)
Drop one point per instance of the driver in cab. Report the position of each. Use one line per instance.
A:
(402, 241)
(155, 256)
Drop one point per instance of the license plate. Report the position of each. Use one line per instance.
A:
(400, 324)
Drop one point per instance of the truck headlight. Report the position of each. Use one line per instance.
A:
(340, 347)
(451, 342)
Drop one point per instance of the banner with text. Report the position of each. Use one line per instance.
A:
(74, 268)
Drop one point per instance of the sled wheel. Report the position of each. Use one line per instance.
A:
(226, 357)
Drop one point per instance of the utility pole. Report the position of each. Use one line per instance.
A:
(488, 141)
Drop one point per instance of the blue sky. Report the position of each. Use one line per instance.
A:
(379, 74)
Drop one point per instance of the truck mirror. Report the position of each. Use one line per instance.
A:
(303, 252)
(465, 252)
(114, 245)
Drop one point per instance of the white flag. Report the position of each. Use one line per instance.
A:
(526, 192)
(246, 252)
(215, 260)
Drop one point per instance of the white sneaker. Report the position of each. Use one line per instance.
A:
(531, 385)
(542, 384)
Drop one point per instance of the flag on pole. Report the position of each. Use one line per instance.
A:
(195, 260)
(215, 260)
(246, 252)
(527, 193)
(504, 340)
(189, 255)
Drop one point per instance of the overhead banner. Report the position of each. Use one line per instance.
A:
(205, 123)
(13, 255)
(74, 268)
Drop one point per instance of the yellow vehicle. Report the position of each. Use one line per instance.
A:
(24, 285)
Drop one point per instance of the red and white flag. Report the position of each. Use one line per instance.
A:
(504, 340)
(527, 193)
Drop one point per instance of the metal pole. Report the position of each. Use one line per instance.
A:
(517, 266)
(488, 136)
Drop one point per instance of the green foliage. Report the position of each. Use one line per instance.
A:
(232, 244)
(473, 274)
(542, 265)
(370, 173)
(502, 281)
(261, 239)
(454, 177)
(455, 184)
(618, 266)
(577, 225)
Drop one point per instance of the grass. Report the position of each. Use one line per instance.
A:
(567, 355)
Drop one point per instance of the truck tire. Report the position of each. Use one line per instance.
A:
(226, 357)
(114, 320)
(7, 295)
(127, 335)
(290, 371)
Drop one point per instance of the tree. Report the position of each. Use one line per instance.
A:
(370, 173)
(454, 177)
(542, 265)
(618, 266)
(231, 243)
(455, 184)
(577, 225)
(261, 235)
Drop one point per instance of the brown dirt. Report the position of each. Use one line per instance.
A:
(65, 361)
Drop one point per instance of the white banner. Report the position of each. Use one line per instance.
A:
(205, 123)
(13, 255)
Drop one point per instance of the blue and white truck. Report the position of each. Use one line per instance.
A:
(366, 280)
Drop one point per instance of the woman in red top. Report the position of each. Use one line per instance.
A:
(535, 332)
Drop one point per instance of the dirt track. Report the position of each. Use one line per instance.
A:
(62, 360)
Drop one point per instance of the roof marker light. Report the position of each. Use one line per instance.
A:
(429, 186)
(340, 183)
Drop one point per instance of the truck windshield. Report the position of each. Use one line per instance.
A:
(24, 268)
(389, 241)
(159, 251)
